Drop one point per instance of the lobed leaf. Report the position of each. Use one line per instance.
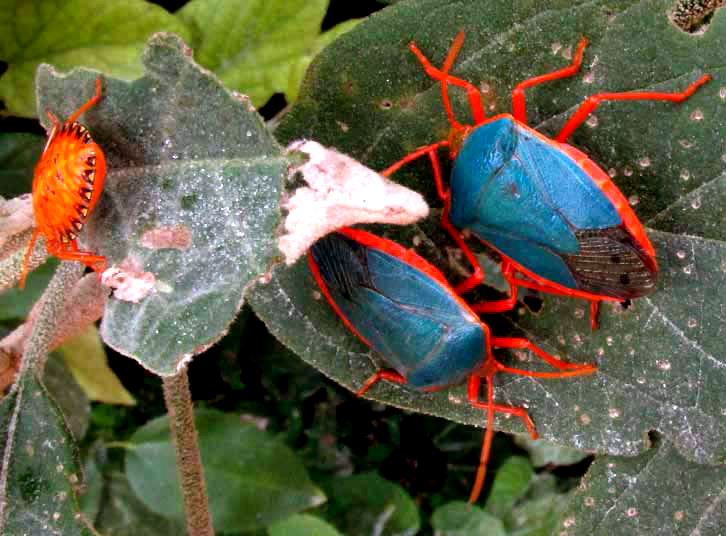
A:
(661, 363)
(255, 46)
(190, 162)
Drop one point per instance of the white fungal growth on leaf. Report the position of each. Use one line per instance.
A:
(341, 192)
(129, 282)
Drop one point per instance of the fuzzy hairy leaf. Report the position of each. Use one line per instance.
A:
(189, 162)
(658, 492)
(661, 360)
(40, 472)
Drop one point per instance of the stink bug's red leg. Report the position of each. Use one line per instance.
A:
(514, 282)
(500, 306)
(490, 368)
(577, 370)
(591, 103)
(54, 129)
(486, 448)
(474, 383)
(28, 253)
(568, 369)
(594, 313)
(478, 275)
(448, 63)
(519, 103)
(97, 263)
(492, 408)
(91, 102)
(389, 375)
(429, 150)
(477, 108)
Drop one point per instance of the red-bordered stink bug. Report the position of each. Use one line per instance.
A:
(557, 219)
(404, 309)
(67, 185)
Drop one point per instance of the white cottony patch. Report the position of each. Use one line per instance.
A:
(129, 282)
(341, 192)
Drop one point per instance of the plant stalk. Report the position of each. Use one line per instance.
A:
(49, 313)
(188, 458)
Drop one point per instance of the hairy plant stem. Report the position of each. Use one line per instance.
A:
(188, 458)
(49, 314)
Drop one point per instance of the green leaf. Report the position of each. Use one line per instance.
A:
(123, 514)
(302, 525)
(188, 158)
(543, 453)
(297, 71)
(101, 34)
(541, 511)
(366, 503)
(19, 153)
(461, 519)
(660, 360)
(252, 479)
(510, 483)
(16, 303)
(68, 395)
(658, 492)
(255, 47)
(85, 357)
(39, 471)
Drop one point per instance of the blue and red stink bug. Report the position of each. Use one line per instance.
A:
(558, 221)
(404, 309)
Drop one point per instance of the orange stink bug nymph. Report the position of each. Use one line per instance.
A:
(67, 185)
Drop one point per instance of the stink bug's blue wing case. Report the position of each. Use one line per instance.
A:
(532, 202)
(416, 323)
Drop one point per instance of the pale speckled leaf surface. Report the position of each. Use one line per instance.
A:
(40, 472)
(656, 493)
(184, 154)
(662, 364)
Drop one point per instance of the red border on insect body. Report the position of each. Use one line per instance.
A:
(395, 250)
(486, 371)
(459, 132)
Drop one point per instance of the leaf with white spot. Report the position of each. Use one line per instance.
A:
(661, 363)
(192, 196)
